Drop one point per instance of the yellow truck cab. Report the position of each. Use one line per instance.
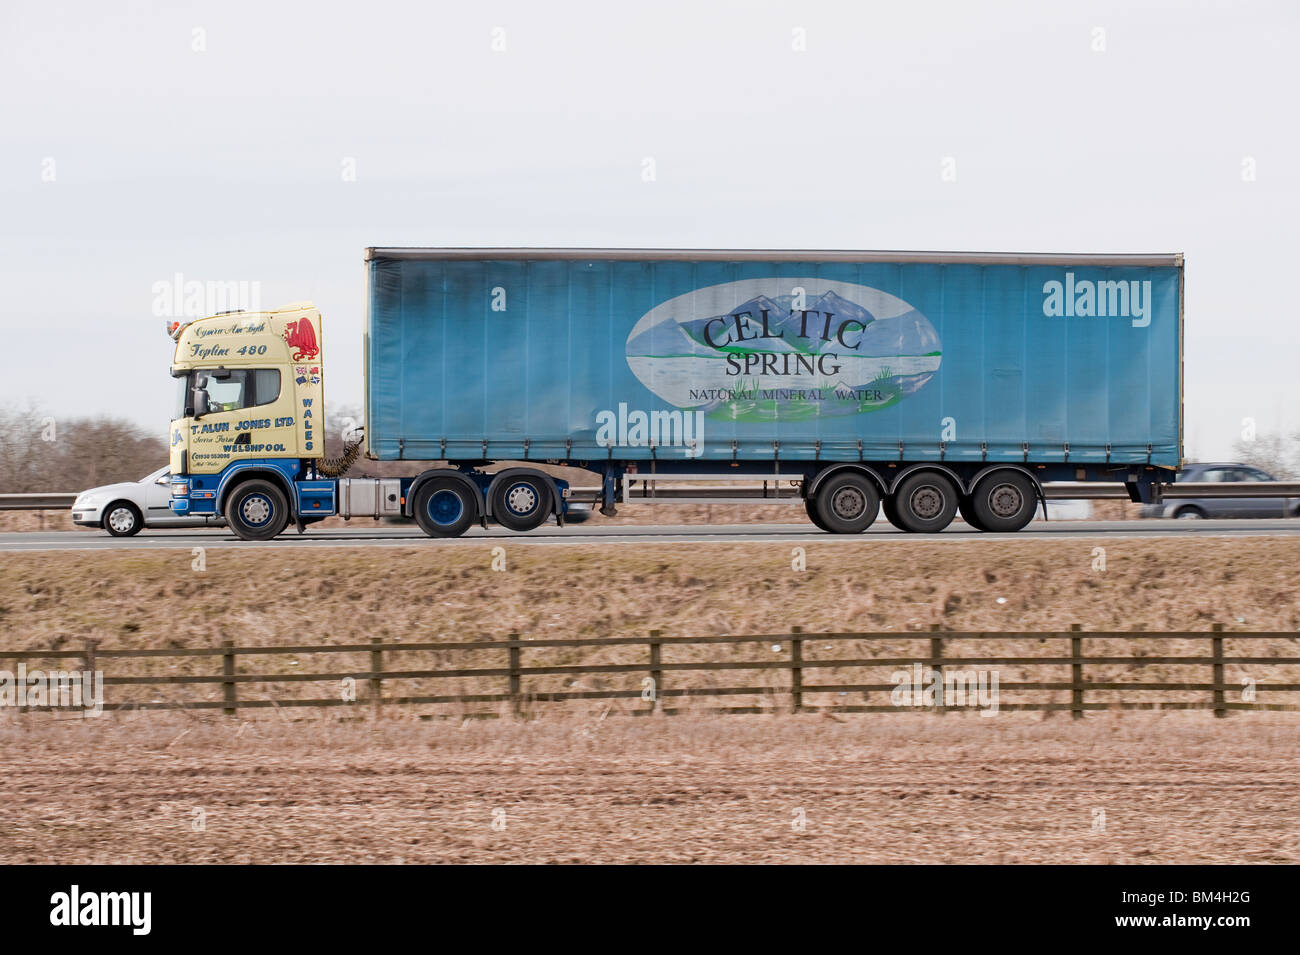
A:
(248, 436)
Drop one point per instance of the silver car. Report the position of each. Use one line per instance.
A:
(1218, 507)
(123, 509)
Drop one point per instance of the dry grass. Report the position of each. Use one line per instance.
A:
(1173, 789)
(152, 598)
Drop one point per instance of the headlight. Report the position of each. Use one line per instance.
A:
(180, 488)
(88, 500)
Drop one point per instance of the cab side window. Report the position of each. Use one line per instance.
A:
(245, 388)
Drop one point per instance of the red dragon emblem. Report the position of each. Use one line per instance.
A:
(301, 337)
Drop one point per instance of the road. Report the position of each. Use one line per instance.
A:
(400, 535)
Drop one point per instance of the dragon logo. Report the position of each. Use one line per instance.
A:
(301, 337)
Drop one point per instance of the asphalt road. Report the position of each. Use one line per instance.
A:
(401, 535)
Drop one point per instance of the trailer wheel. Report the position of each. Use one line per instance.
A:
(522, 503)
(257, 510)
(444, 507)
(966, 508)
(810, 508)
(1004, 502)
(122, 519)
(926, 502)
(847, 503)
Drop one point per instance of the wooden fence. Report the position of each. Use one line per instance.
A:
(657, 691)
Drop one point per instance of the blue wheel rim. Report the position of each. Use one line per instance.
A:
(445, 507)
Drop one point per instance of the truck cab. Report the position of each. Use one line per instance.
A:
(249, 422)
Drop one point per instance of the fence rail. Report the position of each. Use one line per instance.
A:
(656, 689)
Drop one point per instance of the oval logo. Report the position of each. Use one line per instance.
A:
(781, 349)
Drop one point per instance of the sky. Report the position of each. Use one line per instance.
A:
(144, 146)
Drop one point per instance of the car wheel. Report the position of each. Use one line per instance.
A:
(926, 502)
(122, 519)
(1004, 502)
(257, 510)
(521, 503)
(847, 503)
(1190, 514)
(445, 507)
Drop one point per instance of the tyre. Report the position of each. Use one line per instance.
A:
(847, 503)
(926, 502)
(1189, 514)
(257, 510)
(1004, 502)
(522, 502)
(810, 508)
(122, 519)
(967, 511)
(890, 508)
(445, 507)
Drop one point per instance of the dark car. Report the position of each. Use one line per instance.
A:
(1218, 507)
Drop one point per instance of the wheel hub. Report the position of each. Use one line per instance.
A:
(521, 499)
(926, 502)
(848, 503)
(1006, 500)
(120, 519)
(255, 509)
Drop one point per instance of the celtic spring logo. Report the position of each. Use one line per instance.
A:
(783, 349)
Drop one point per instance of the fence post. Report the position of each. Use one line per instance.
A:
(376, 683)
(936, 653)
(796, 668)
(656, 673)
(1216, 643)
(228, 671)
(514, 673)
(88, 672)
(1076, 672)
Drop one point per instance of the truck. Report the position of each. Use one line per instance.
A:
(919, 385)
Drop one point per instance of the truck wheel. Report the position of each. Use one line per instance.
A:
(522, 503)
(122, 519)
(967, 511)
(1004, 502)
(444, 507)
(257, 510)
(810, 508)
(847, 503)
(926, 502)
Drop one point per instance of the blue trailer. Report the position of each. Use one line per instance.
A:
(920, 384)
(931, 382)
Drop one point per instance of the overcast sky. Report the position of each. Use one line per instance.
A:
(236, 142)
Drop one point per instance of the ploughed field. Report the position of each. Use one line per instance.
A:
(1169, 788)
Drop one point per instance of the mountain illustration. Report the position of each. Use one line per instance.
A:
(908, 334)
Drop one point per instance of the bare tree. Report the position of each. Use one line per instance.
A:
(1277, 454)
(39, 452)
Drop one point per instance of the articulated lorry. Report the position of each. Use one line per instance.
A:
(929, 383)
